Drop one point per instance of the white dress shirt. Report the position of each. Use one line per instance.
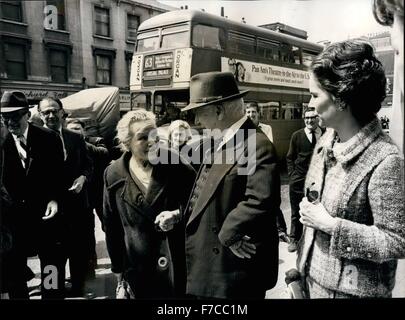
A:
(20, 149)
(318, 133)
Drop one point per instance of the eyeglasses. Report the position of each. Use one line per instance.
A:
(311, 118)
(48, 112)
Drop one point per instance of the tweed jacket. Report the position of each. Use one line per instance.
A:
(360, 257)
(229, 206)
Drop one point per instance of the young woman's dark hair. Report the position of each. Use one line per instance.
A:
(352, 74)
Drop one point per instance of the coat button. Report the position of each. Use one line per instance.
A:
(163, 263)
(349, 249)
(215, 250)
(139, 199)
(215, 230)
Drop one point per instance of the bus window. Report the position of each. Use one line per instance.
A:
(296, 55)
(291, 111)
(147, 41)
(307, 57)
(286, 53)
(207, 37)
(267, 49)
(140, 100)
(269, 111)
(238, 43)
(175, 37)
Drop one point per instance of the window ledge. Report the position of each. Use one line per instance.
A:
(102, 37)
(58, 31)
(130, 41)
(14, 22)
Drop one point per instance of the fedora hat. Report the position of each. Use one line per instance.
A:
(13, 101)
(211, 88)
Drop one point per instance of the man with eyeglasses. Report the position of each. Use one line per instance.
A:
(75, 176)
(31, 156)
(302, 144)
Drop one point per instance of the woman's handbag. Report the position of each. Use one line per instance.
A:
(295, 284)
(124, 291)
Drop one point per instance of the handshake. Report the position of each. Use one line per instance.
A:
(166, 220)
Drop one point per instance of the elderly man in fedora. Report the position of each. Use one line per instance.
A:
(231, 233)
(32, 160)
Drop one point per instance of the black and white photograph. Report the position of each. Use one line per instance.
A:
(183, 151)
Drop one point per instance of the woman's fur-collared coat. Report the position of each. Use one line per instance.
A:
(152, 261)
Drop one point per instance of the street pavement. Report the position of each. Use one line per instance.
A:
(103, 286)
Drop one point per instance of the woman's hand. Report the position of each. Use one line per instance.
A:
(314, 215)
(167, 219)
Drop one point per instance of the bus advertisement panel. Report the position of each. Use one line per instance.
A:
(265, 74)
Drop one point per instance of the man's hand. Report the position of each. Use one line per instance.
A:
(77, 185)
(243, 248)
(167, 219)
(51, 210)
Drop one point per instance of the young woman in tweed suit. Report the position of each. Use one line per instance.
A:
(354, 213)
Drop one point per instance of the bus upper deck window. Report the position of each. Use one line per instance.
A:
(208, 37)
(175, 40)
(307, 58)
(176, 37)
(147, 41)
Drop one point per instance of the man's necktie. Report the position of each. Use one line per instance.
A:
(23, 150)
(313, 138)
(63, 145)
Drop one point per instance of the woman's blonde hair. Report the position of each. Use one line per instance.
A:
(124, 133)
(179, 124)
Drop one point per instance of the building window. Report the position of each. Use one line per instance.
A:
(132, 26)
(11, 10)
(15, 61)
(103, 65)
(59, 66)
(102, 21)
(60, 7)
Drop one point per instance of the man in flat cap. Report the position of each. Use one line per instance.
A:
(231, 233)
(32, 160)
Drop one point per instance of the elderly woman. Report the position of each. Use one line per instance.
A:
(353, 212)
(141, 206)
(179, 134)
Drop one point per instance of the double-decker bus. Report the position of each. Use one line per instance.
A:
(173, 46)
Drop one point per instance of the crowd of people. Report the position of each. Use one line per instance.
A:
(210, 228)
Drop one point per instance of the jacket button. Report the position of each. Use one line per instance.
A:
(163, 263)
(215, 250)
(139, 199)
(349, 249)
(215, 230)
